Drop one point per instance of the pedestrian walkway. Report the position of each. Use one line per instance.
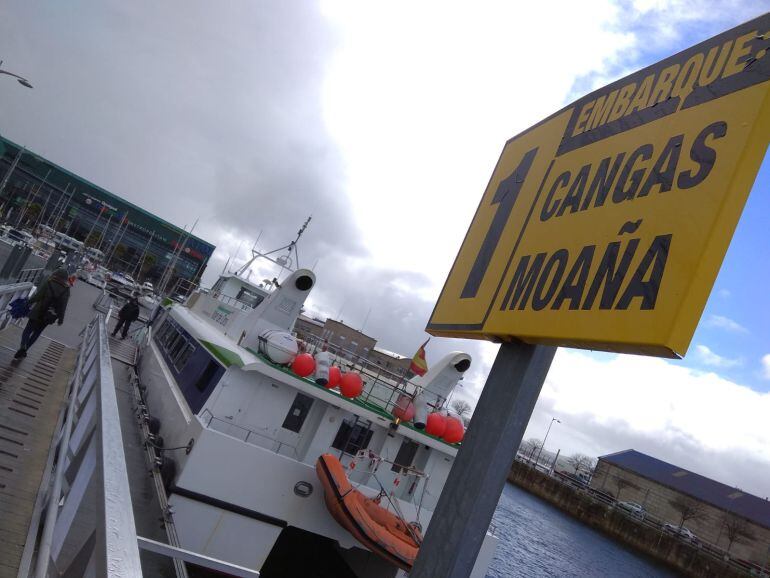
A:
(123, 350)
(32, 392)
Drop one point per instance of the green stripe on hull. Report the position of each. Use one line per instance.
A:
(223, 355)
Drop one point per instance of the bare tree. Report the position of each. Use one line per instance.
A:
(461, 407)
(581, 462)
(736, 530)
(622, 484)
(688, 509)
(530, 447)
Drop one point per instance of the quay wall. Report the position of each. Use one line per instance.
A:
(680, 556)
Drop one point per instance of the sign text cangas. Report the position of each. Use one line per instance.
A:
(604, 226)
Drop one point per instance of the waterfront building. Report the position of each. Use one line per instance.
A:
(38, 195)
(725, 516)
(339, 335)
(390, 361)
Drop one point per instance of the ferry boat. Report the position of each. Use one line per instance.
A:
(275, 469)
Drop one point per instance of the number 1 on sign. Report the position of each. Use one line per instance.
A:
(505, 198)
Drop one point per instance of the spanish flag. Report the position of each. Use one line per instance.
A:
(419, 366)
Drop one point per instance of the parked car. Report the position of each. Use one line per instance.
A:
(574, 480)
(16, 236)
(636, 510)
(148, 287)
(603, 497)
(682, 532)
(121, 283)
(97, 278)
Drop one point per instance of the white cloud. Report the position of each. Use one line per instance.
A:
(724, 293)
(422, 105)
(766, 366)
(721, 322)
(708, 357)
(698, 420)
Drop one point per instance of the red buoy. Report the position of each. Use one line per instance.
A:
(404, 408)
(435, 425)
(455, 430)
(303, 365)
(334, 377)
(351, 385)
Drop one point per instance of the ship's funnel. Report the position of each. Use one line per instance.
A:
(279, 311)
(438, 384)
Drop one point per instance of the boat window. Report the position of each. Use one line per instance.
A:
(297, 413)
(174, 342)
(405, 455)
(160, 336)
(169, 336)
(180, 343)
(353, 435)
(206, 376)
(183, 357)
(249, 297)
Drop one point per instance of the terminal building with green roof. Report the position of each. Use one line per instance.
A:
(39, 195)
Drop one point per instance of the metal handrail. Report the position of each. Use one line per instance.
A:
(249, 432)
(29, 275)
(8, 294)
(382, 387)
(90, 443)
(86, 494)
(232, 301)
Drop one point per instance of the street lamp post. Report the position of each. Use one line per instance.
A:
(537, 461)
(20, 79)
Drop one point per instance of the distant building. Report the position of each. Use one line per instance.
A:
(349, 342)
(345, 337)
(41, 195)
(725, 513)
(307, 326)
(390, 361)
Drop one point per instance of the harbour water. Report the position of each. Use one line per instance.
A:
(537, 540)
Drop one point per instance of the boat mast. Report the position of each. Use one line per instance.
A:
(285, 261)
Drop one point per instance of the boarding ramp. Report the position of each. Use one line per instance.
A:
(31, 394)
(81, 521)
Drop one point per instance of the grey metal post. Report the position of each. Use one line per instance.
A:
(471, 493)
(540, 451)
(553, 463)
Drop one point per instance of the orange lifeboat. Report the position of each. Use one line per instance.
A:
(381, 531)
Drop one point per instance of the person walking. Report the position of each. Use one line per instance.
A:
(49, 303)
(127, 315)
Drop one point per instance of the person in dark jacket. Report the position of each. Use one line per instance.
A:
(127, 315)
(49, 303)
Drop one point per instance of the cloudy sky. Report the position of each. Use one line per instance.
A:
(384, 121)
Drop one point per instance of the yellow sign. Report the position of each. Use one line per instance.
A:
(604, 226)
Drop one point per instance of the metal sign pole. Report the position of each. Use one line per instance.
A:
(477, 478)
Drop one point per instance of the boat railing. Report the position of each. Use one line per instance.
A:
(231, 301)
(104, 302)
(85, 494)
(248, 435)
(83, 520)
(8, 294)
(381, 386)
(409, 484)
(29, 275)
